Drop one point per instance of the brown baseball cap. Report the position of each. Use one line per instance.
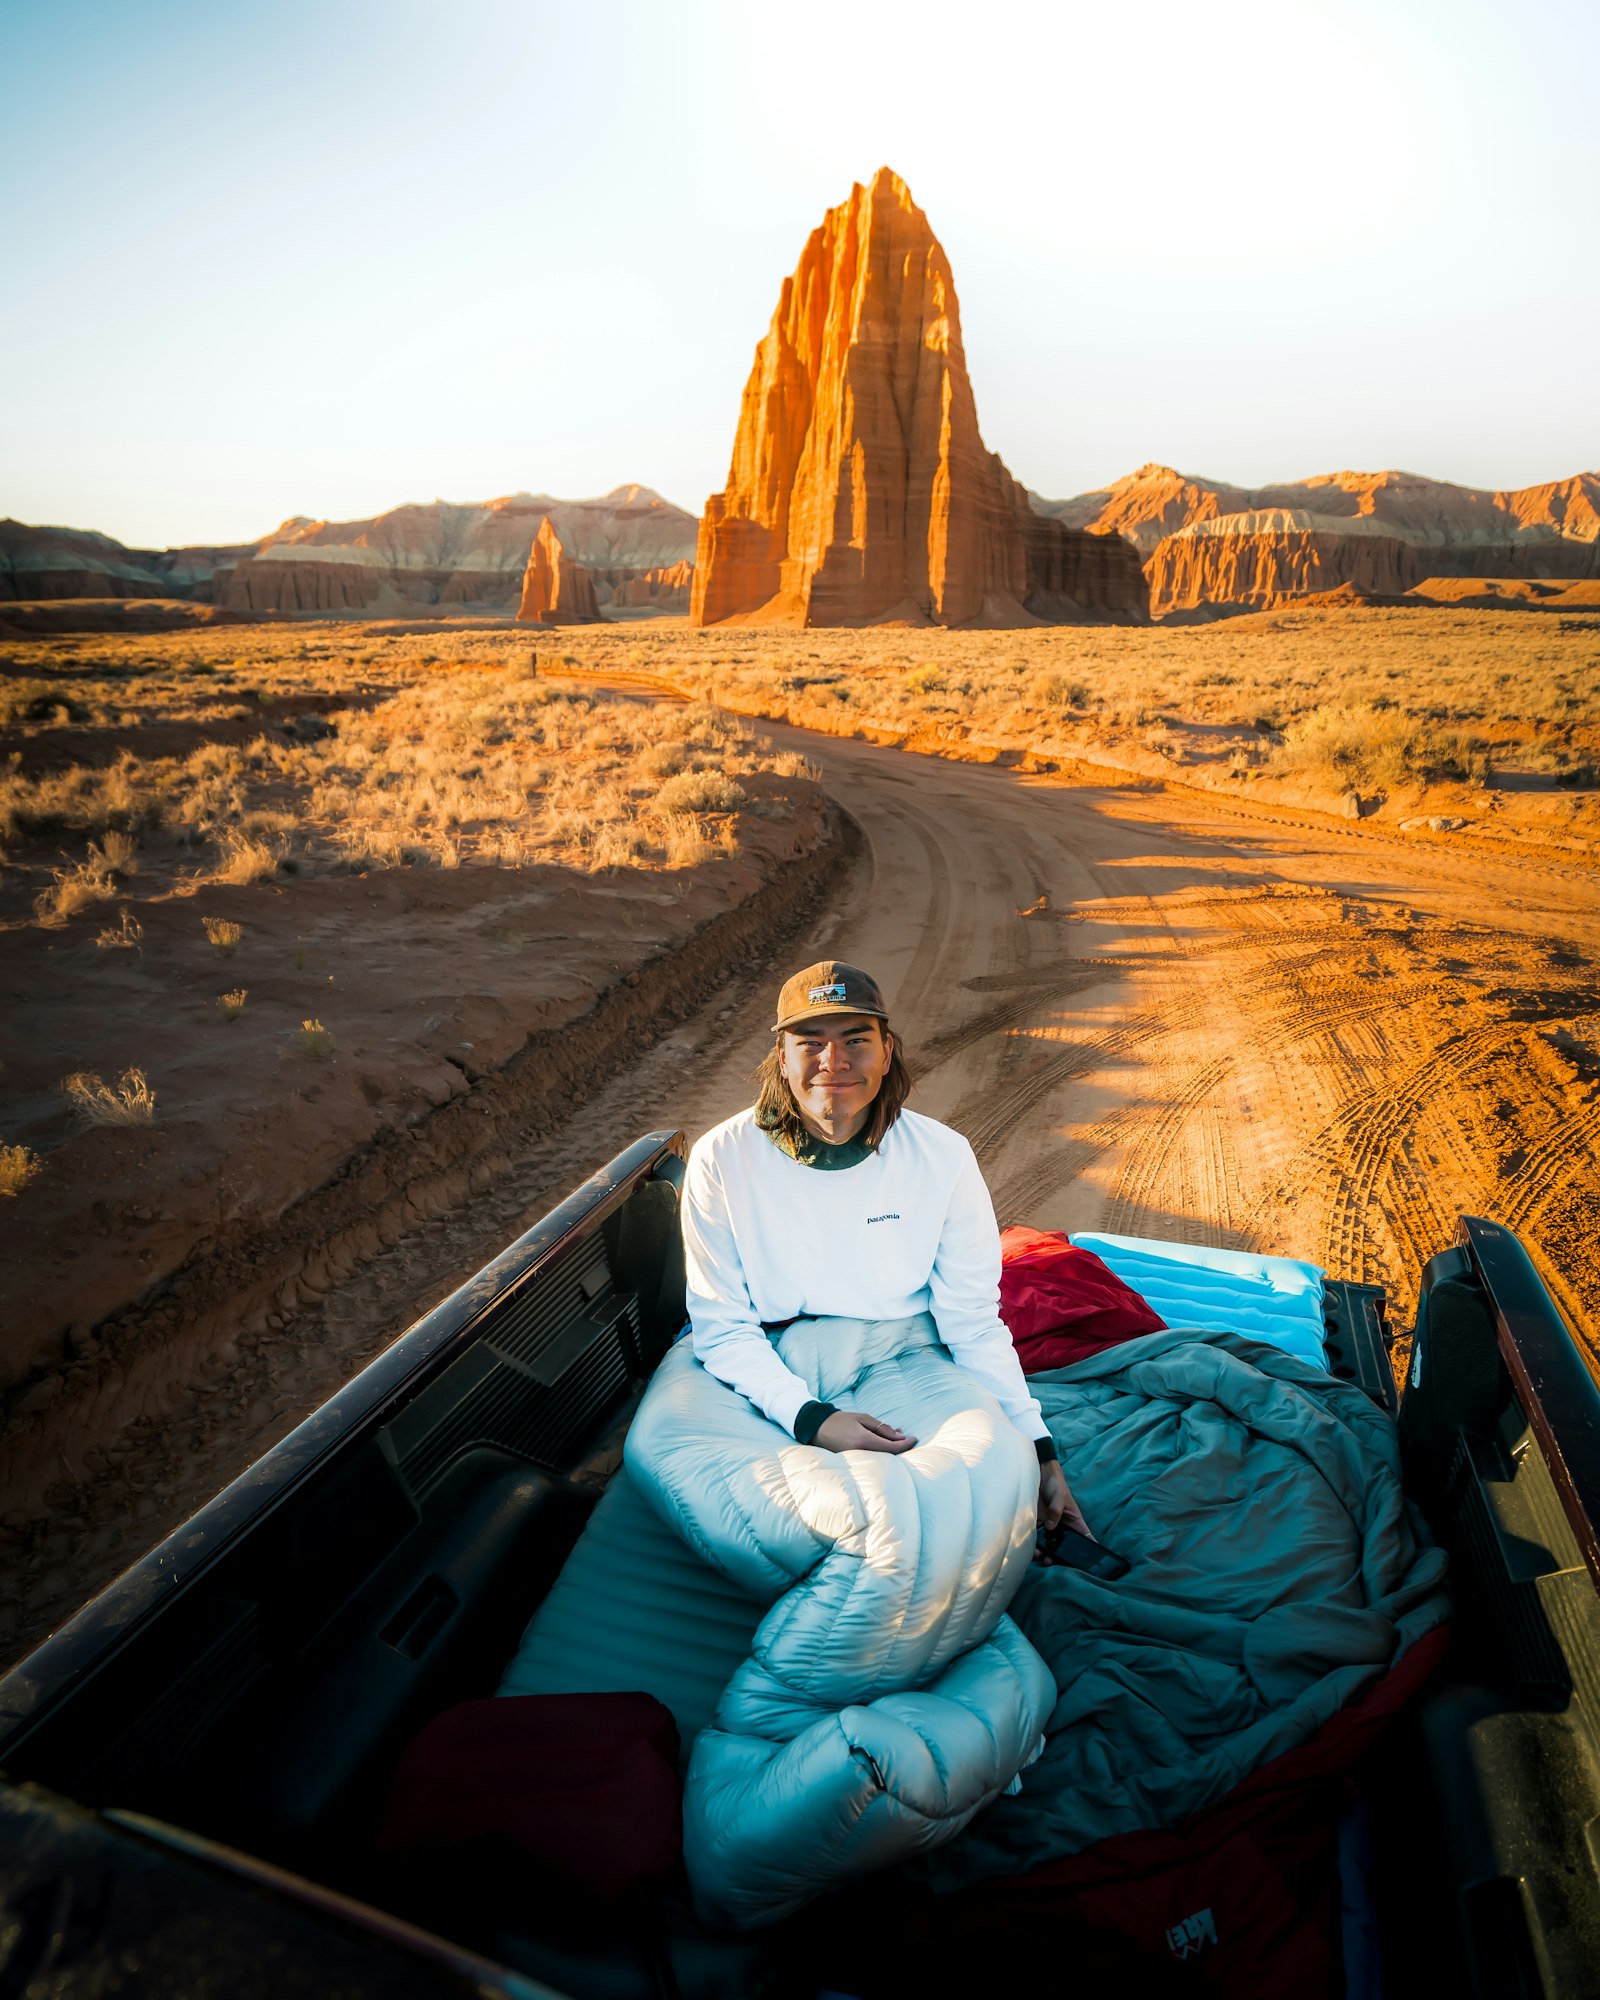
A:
(828, 987)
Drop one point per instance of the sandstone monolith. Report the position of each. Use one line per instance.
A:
(860, 490)
(555, 590)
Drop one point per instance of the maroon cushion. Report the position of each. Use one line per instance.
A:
(1062, 1303)
(586, 1784)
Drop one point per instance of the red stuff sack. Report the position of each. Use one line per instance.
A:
(1061, 1303)
(585, 1784)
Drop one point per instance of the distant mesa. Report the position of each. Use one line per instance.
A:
(51, 564)
(427, 559)
(860, 491)
(1211, 547)
(555, 589)
(447, 555)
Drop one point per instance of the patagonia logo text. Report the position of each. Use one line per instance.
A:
(820, 993)
(1193, 1934)
(882, 1218)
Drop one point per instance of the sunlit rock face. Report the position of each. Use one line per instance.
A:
(666, 589)
(1263, 559)
(1207, 543)
(555, 589)
(860, 490)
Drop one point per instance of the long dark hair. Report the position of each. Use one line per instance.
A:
(776, 1110)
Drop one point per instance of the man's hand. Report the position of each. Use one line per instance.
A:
(1057, 1508)
(854, 1430)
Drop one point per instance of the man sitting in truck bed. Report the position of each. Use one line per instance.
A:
(828, 1199)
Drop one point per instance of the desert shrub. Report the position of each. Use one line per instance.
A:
(222, 934)
(130, 1101)
(18, 1166)
(315, 1040)
(702, 791)
(231, 1005)
(1362, 746)
(1056, 691)
(923, 680)
(39, 701)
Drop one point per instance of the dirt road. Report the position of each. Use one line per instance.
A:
(1236, 1030)
(1149, 1012)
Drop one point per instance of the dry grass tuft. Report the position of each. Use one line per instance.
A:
(18, 1166)
(685, 841)
(222, 935)
(246, 857)
(124, 935)
(71, 891)
(701, 791)
(130, 1101)
(231, 1005)
(315, 1040)
(116, 853)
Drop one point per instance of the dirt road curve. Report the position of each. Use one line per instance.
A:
(1230, 1030)
(1148, 1012)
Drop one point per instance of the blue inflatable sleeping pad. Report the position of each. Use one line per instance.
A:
(636, 1610)
(1273, 1299)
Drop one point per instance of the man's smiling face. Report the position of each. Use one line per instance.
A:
(835, 1067)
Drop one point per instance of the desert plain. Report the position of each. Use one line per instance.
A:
(367, 885)
(335, 952)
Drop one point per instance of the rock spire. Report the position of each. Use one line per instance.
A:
(555, 590)
(860, 489)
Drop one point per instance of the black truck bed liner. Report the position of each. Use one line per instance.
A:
(249, 1684)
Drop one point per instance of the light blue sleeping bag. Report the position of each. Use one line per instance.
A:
(887, 1698)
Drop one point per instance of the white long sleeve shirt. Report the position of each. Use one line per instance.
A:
(909, 1230)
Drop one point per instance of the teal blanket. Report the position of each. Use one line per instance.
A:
(1277, 1571)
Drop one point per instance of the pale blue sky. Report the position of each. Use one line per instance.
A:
(325, 258)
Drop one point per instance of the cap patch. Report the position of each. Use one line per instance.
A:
(823, 993)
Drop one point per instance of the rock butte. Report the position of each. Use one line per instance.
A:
(555, 589)
(860, 491)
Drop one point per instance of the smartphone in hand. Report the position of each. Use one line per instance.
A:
(1067, 1549)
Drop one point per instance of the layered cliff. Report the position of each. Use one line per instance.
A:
(44, 563)
(555, 589)
(860, 489)
(1260, 559)
(443, 554)
(664, 590)
(1207, 543)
